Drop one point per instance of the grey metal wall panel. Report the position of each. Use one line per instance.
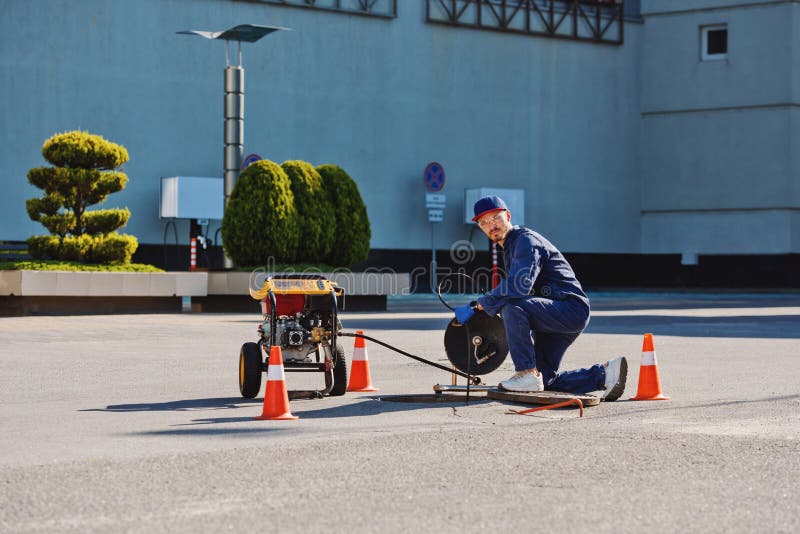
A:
(795, 43)
(717, 160)
(380, 97)
(758, 70)
(655, 7)
(719, 172)
(723, 232)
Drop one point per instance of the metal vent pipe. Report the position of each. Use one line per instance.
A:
(233, 133)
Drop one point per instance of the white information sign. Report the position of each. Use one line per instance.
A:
(435, 215)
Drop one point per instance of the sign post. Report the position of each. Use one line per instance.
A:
(435, 202)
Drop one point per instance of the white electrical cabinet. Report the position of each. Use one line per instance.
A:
(192, 197)
(514, 199)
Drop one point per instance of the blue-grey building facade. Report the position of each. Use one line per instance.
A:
(720, 143)
(629, 148)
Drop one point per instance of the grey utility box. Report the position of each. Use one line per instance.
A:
(192, 197)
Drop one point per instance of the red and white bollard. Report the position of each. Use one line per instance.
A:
(495, 274)
(193, 255)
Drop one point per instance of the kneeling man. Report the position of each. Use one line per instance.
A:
(544, 310)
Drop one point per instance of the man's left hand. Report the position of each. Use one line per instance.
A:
(464, 313)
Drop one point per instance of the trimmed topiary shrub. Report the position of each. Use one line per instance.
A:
(83, 174)
(351, 242)
(315, 212)
(260, 225)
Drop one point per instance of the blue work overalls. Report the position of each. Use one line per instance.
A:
(544, 310)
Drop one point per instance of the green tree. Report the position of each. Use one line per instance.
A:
(260, 222)
(85, 171)
(351, 242)
(314, 210)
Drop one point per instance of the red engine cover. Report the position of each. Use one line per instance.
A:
(285, 304)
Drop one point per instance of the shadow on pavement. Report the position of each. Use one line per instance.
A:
(676, 301)
(739, 326)
(219, 403)
(757, 326)
(208, 431)
(361, 408)
(207, 426)
(371, 406)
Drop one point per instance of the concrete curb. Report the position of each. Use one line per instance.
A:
(360, 283)
(102, 284)
(81, 292)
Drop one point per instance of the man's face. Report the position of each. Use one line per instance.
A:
(495, 225)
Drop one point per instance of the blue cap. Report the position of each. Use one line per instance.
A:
(488, 205)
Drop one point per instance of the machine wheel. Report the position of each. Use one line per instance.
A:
(339, 373)
(250, 369)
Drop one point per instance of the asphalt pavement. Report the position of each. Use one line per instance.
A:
(134, 423)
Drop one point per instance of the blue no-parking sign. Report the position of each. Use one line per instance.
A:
(251, 158)
(434, 177)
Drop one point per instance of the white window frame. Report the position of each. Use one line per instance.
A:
(704, 30)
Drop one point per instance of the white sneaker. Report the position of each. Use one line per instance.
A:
(523, 381)
(616, 375)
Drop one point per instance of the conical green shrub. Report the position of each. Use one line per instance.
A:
(351, 242)
(315, 212)
(260, 225)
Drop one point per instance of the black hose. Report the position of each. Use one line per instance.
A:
(474, 379)
(468, 375)
(439, 287)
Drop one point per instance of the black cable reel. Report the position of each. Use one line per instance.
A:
(478, 347)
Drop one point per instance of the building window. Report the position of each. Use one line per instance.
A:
(714, 42)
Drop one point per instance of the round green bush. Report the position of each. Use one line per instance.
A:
(314, 210)
(260, 225)
(83, 150)
(351, 243)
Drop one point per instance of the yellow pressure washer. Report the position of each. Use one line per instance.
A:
(301, 317)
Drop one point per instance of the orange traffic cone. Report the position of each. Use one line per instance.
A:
(649, 381)
(276, 398)
(359, 371)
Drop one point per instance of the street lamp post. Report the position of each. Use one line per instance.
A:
(233, 133)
